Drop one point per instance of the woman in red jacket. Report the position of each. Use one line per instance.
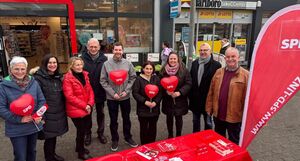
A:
(79, 101)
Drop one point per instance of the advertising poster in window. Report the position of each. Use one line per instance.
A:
(133, 40)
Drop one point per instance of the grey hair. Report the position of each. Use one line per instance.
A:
(206, 44)
(93, 40)
(232, 49)
(16, 60)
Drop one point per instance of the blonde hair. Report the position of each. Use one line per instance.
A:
(72, 61)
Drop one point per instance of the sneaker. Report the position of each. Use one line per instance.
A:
(114, 146)
(131, 143)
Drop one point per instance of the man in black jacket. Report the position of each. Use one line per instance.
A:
(202, 71)
(93, 62)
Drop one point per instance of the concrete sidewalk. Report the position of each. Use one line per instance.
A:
(279, 140)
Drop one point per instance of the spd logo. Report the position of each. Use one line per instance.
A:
(290, 36)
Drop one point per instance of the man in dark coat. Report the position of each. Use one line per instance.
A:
(93, 62)
(202, 71)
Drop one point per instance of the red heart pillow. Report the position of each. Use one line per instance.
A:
(169, 83)
(22, 106)
(118, 76)
(151, 90)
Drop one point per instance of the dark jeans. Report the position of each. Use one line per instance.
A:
(24, 147)
(81, 127)
(148, 129)
(197, 122)
(233, 129)
(113, 109)
(100, 120)
(178, 123)
(49, 148)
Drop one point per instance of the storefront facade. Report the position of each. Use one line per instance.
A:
(239, 21)
(31, 29)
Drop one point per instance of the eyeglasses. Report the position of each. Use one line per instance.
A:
(203, 50)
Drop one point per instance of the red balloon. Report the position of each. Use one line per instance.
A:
(151, 90)
(22, 106)
(169, 83)
(118, 76)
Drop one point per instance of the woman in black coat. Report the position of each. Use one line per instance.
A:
(147, 110)
(175, 67)
(56, 124)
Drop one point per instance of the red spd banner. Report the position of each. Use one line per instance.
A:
(275, 71)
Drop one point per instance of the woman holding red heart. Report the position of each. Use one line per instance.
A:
(146, 91)
(21, 96)
(174, 102)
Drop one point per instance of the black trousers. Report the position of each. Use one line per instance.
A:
(233, 129)
(197, 121)
(49, 148)
(100, 120)
(148, 127)
(178, 123)
(113, 109)
(81, 127)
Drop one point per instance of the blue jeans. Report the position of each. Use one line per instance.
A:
(113, 109)
(197, 124)
(24, 147)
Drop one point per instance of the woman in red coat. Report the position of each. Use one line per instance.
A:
(79, 101)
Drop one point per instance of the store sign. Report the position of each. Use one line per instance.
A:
(211, 14)
(185, 34)
(240, 41)
(153, 57)
(175, 8)
(209, 3)
(132, 57)
(275, 72)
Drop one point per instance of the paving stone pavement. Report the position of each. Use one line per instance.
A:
(279, 140)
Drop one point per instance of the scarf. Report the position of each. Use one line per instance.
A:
(94, 57)
(80, 77)
(21, 83)
(202, 62)
(171, 70)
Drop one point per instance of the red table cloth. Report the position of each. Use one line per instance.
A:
(205, 145)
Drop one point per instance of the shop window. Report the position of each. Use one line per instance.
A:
(135, 6)
(94, 5)
(34, 37)
(136, 34)
(32, 6)
(102, 29)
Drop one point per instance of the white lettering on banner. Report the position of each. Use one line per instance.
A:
(290, 43)
(292, 88)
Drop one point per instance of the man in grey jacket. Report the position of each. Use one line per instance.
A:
(118, 95)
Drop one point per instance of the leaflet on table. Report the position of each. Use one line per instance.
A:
(147, 152)
(221, 147)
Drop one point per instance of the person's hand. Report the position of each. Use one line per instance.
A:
(88, 109)
(123, 94)
(153, 104)
(26, 119)
(37, 120)
(175, 94)
(170, 93)
(148, 103)
(116, 97)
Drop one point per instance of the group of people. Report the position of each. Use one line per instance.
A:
(216, 93)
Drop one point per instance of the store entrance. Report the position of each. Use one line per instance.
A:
(34, 37)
